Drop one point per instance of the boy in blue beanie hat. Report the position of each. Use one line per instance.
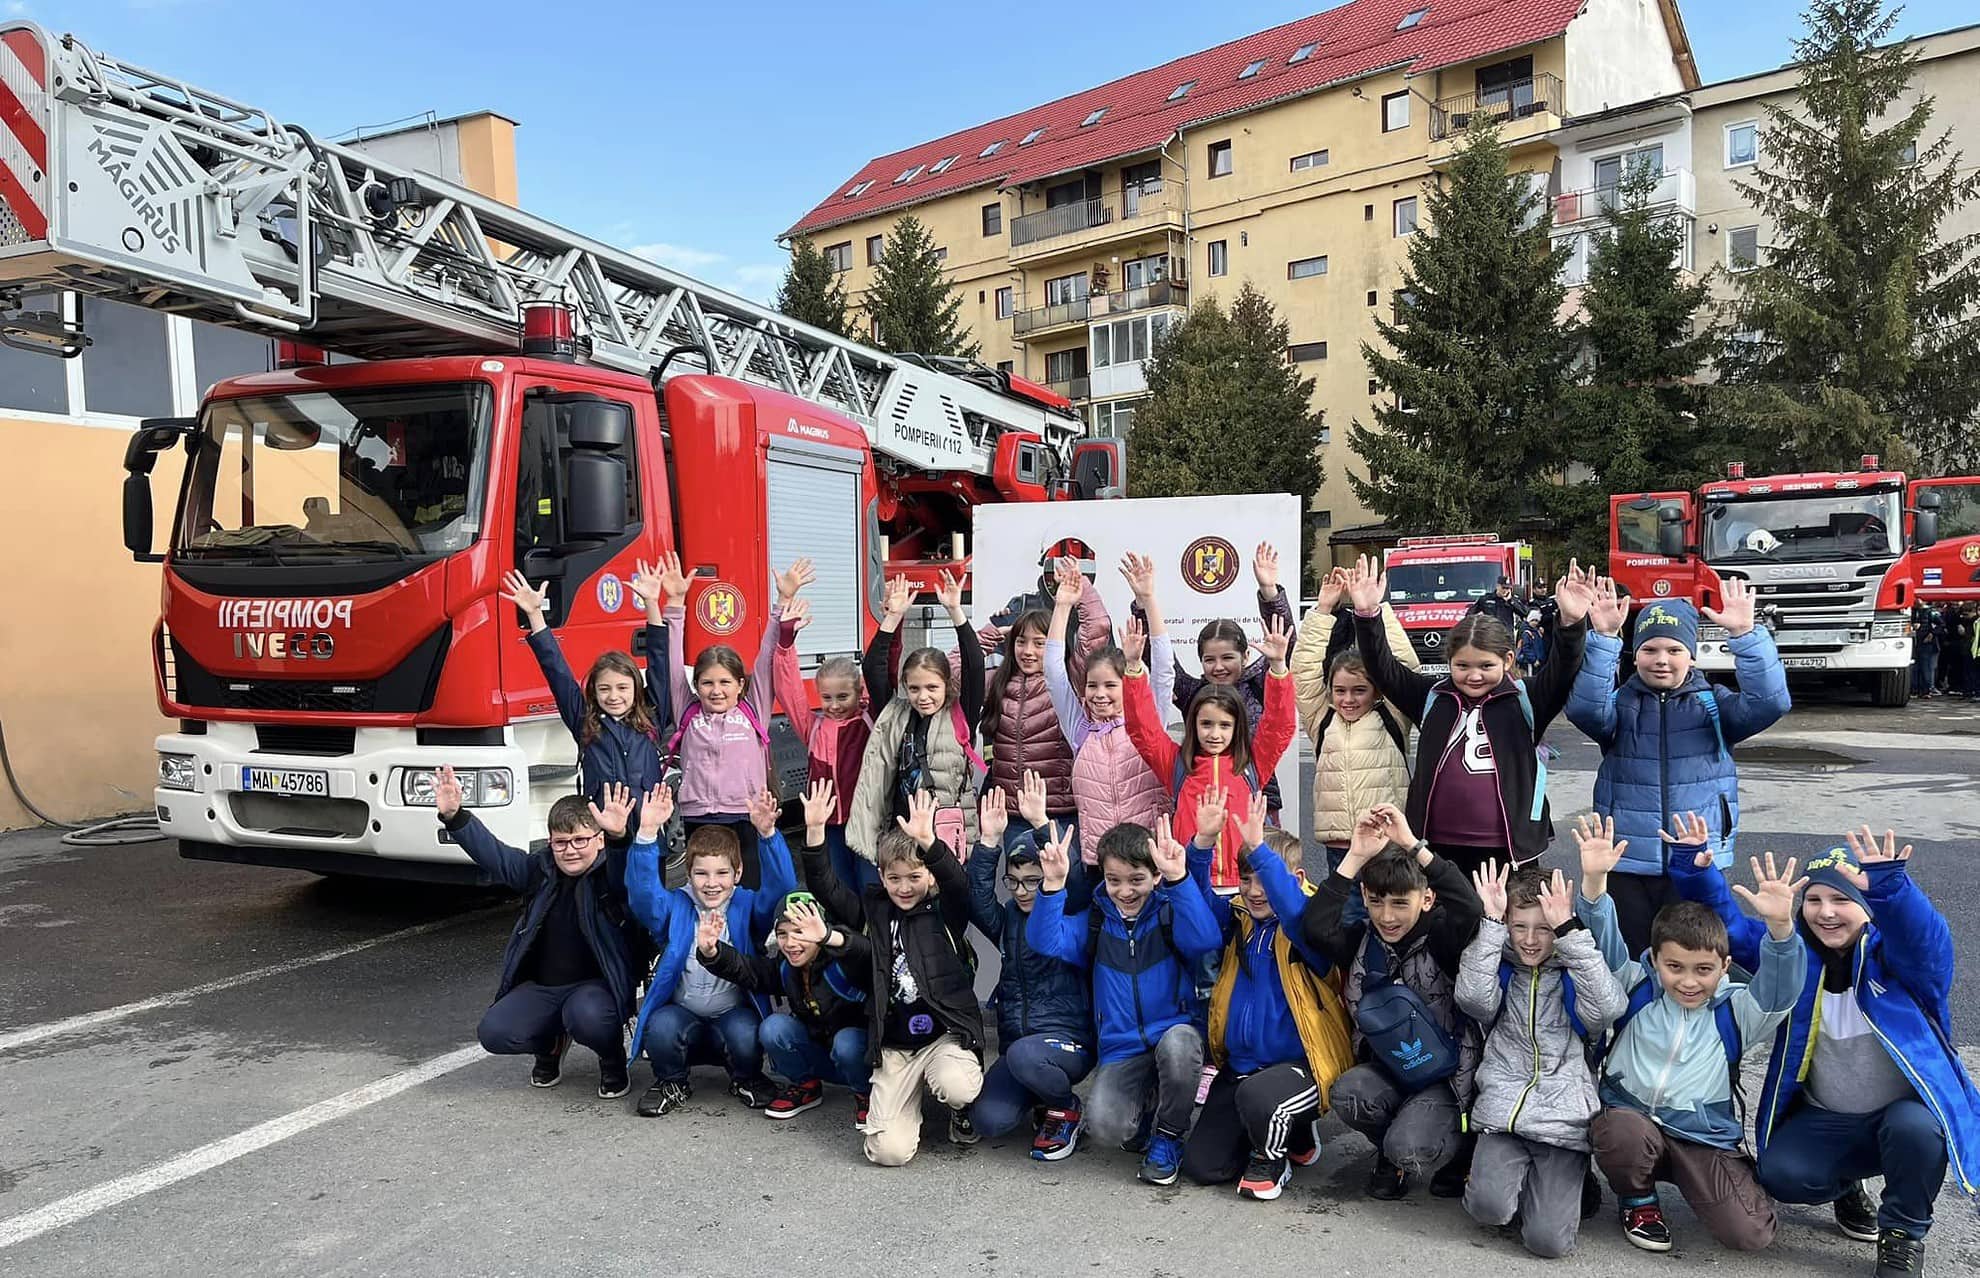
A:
(1863, 1080)
(1667, 733)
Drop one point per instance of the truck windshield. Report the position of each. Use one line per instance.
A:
(1463, 581)
(1805, 528)
(375, 472)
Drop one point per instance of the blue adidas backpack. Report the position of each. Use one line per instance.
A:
(1405, 1038)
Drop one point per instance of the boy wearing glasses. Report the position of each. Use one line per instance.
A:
(565, 974)
(1044, 1012)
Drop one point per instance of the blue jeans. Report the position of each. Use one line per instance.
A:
(800, 1058)
(1816, 1152)
(1039, 1069)
(852, 869)
(528, 1019)
(1924, 669)
(676, 1039)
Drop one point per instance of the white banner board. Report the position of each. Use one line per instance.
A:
(1202, 547)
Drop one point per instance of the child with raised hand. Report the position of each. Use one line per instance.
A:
(1535, 980)
(1327, 632)
(836, 733)
(1110, 782)
(1863, 1080)
(1360, 752)
(1667, 733)
(1218, 746)
(618, 715)
(822, 973)
(567, 974)
(691, 1014)
(1019, 707)
(1044, 1010)
(924, 1025)
(1479, 791)
(1415, 1050)
(1278, 1032)
(1141, 938)
(722, 738)
(1670, 1081)
(921, 739)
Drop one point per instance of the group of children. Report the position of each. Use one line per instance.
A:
(1163, 943)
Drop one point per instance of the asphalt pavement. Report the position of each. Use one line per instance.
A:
(210, 1069)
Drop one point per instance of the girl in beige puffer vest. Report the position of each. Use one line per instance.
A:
(1360, 755)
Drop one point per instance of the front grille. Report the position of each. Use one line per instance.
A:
(285, 738)
(298, 815)
(407, 688)
(1429, 644)
(297, 694)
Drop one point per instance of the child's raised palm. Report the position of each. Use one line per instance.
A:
(794, 578)
(1134, 640)
(1366, 587)
(1053, 863)
(1068, 584)
(1171, 861)
(1556, 901)
(1252, 828)
(517, 590)
(1595, 836)
(821, 803)
(1275, 642)
(1773, 892)
(1140, 573)
(446, 793)
(1489, 880)
(612, 815)
(1575, 593)
(1031, 799)
(919, 823)
(1371, 835)
(647, 584)
(1212, 810)
(763, 810)
(655, 808)
(1332, 588)
(1265, 567)
(708, 932)
(798, 613)
(899, 595)
(949, 593)
(1735, 612)
(1607, 612)
(993, 817)
(1864, 847)
(807, 923)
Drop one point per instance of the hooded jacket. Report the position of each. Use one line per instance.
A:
(1662, 753)
(1036, 993)
(1903, 970)
(618, 753)
(1110, 782)
(833, 747)
(1534, 1079)
(1669, 1063)
(1525, 812)
(1022, 730)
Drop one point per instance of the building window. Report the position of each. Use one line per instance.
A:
(991, 150)
(1373, 297)
(1220, 257)
(1006, 302)
(1909, 156)
(1395, 111)
(839, 256)
(1610, 170)
(942, 165)
(1181, 91)
(1252, 69)
(1311, 160)
(1139, 181)
(1368, 212)
(1220, 158)
(876, 249)
(1063, 366)
(1057, 197)
(1306, 268)
(38, 383)
(1742, 248)
(1305, 352)
(1742, 143)
(907, 175)
(942, 253)
(220, 352)
(1006, 367)
(1115, 419)
(1374, 387)
(1403, 218)
(1326, 435)
(1302, 53)
(1066, 289)
(1411, 18)
(127, 369)
(1128, 341)
(1032, 136)
(1093, 119)
(993, 219)
(1322, 518)
(859, 189)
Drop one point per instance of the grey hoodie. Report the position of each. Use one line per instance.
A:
(1534, 1080)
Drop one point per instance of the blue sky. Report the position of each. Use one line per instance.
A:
(694, 133)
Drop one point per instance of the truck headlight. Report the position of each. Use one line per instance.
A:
(177, 772)
(480, 787)
(1889, 629)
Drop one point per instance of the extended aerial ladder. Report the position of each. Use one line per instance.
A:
(132, 185)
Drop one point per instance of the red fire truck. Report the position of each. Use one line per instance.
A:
(1434, 581)
(505, 394)
(1836, 561)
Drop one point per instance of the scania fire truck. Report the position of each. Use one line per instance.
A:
(1434, 581)
(1836, 561)
(467, 389)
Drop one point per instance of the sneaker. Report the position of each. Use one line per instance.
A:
(1387, 1182)
(664, 1097)
(796, 1099)
(756, 1093)
(1644, 1227)
(1591, 1196)
(1448, 1181)
(1310, 1154)
(548, 1071)
(1856, 1214)
(613, 1082)
(1898, 1254)
(859, 1108)
(1057, 1135)
(1144, 1131)
(961, 1130)
(1163, 1162)
(1265, 1178)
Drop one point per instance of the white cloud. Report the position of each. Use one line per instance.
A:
(760, 273)
(678, 256)
(14, 9)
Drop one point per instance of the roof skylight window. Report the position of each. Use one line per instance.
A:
(1252, 69)
(1413, 17)
(1093, 119)
(1181, 91)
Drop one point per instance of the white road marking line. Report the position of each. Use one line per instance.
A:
(64, 1212)
(12, 1039)
(1915, 742)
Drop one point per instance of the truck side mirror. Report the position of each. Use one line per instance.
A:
(1924, 526)
(153, 436)
(137, 518)
(1670, 532)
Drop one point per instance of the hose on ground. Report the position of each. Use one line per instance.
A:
(117, 830)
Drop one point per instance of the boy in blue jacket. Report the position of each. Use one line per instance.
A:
(566, 974)
(1863, 1080)
(1044, 1013)
(691, 1014)
(1667, 734)
(1141, 938)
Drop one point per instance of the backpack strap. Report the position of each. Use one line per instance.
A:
(1539, 760)
(1506, 971)
(688, 716)
(749, 713)
(1711, 700)
(963, 736)
(1397, 732)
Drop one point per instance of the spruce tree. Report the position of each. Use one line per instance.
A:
(811, 292)
(1227, 411)
(1637, 419)
(1473, 360)
(911, 301)
(1857, 331)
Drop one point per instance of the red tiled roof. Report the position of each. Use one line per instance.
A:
(1354, 40)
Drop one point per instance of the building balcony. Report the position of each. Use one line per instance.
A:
(1076, 389)
(1521, 109)
(1147, 296)
(1129, 377)
(1581, 242)
(1078, 228)
(1676, 189)
(1046, 319)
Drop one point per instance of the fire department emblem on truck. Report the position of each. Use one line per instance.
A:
(1209, 564)
(1970, 554)
(721, 609)
(610, 592)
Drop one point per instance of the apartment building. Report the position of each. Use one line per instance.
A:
(1297, 158)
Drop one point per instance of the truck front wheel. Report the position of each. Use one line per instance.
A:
(1892, 688)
